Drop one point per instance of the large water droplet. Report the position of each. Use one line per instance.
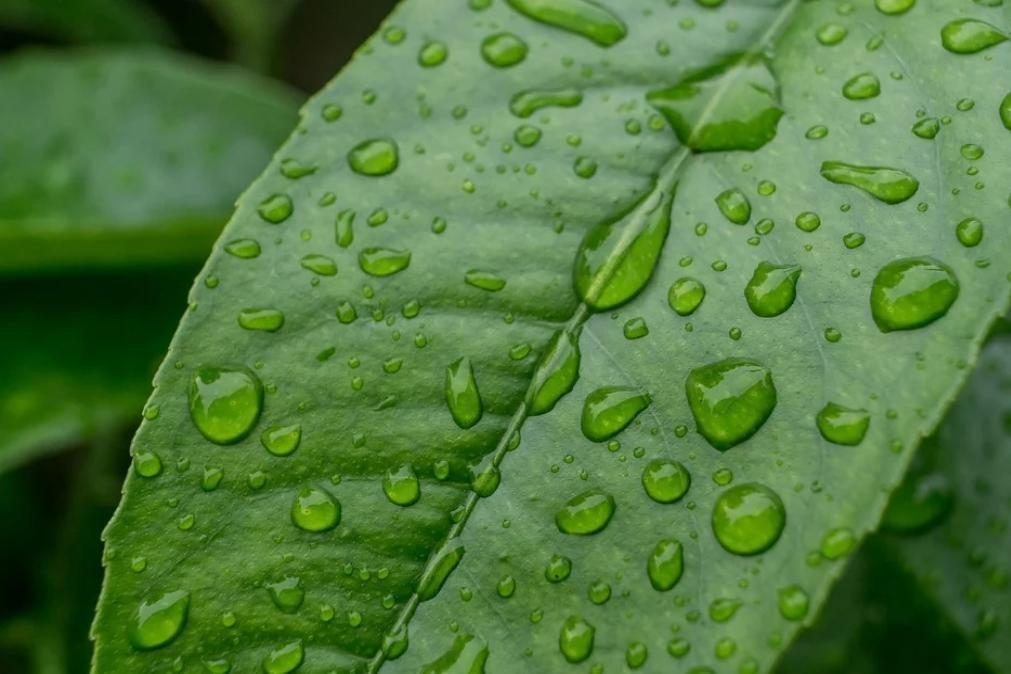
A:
(748, 519)
(383, 261)
(281, 440)
(225, 403)
(890, 185)
(558, 569)
(730, 400)
(912, 292)
(969, 232)
(581, 17)
(526, 103)
(772, 289)
(462, 396)
(375, 157)
(556, 373)
(686, 295)
(665, 481)
(969, 36)
(503, 50)
(576, 639)
(861, 87)
(665, 565)
(401, 485)
(467, 655)
(843, 425)
(276, 208)
(733, 105)
(315, 510)
(586, 513)
(609, 410)
(158, 621)
(284, 659)
(262, 320)
(287, 593)
(438, 569)
(395, 643)
(734, 206)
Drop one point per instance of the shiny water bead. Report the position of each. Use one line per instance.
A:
(575, 641)
(485, 478)
(686, 295)
(861, 87)
(276, 208)
(438, 571)
(587, 19)
(807, 221)
(401, 486)
(854, 240)
(526, 103)
(609, 410)
(893, 7)
(890, 185)
(665, 565)
(636, 654)
(837, 543)
(281, 440)
(971, 151)
(748, 519)
(730, 400)
(159, 620)
(969, 232)
(315, 510)
(484, 280)
(772, 289)
(433, 53)
(969, 36)
(245, 249)
(831, 34)
(558, 569)
(599, 592)
(585, 167)
(1005, 111)
(635, 328)
(816, 132)
(557, 372)
(284, 659)
(374, 157)
(225, 403)
(843, 425)
(262, 320)
(912, 292)
(927, 128)
(586, 513)
(287, 593)
(146, 463)
(293, 169)
(526, 135)
(467, 655)
(793, 603)
(462, 396)
(381, 262)
(734, 206)
(665, 481)
(503, 50)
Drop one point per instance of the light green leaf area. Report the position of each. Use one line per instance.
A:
(949, 521)
(86, 20)
(473, 253)
(126, 158)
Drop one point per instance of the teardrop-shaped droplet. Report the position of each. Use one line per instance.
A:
(323, 265)
(927, 128)
(503, 50)
(665, 481)
(467, 655)
(284, 659)
(383, 261)
(287, 593)
(281, 440)
(861, 87)
(686, 295)
(920, 503)
(665, 565)
(969, 36)
(556, 372)
(262, 320)
(730, 400)
(893, 7)
(793, 603)
(374, 157)
(609, 410)
(618, 256)
(772, 289)
(344, 233)
(582, 17)
(160, 620)
(526, 103)
(890, 185)
(401, 485)
(843, 425)
(748, 519)
(462, 395)
(225, 403)
(245, 249)
(912, 292)
(438, 569)
(276, 208)
(586, 513)
(1005, 112)
(576, 639)
(734, 206)
(315, 510)
(485, 280)
(733, 105)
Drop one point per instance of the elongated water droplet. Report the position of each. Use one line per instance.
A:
(861, 87)
(293, 169)
(315, 510)
(276, 208)
(772, 289)
(730, 400)
(1005, 112)
(586, 513)
(831, 34)
(837, 543)
(284, 659)
(485, 280)
(843, 425)
(793, 603)
(618, 256)
(160, 620)
(344, 232)
(609, 410)
(263, 320)
(503, 50)
(281, 440)
(969, 36)
(927, 128)
(245, 249)
(748, 519)
(686, 295)
(320, 264)
(665, 481)
(556, 372)
(467, 655)
(734, 206)
(665, 565)
(920, 503)
(890, 185)
(526, 103)
(733, 105)
(383, 261)
(432, 53)
(462, 396)
(438, 569)
(225, 403)
(375, 157)
(576, 639)
(401, 485)
(912, 292)
(636, 654)
(287, 593)
(582, 17)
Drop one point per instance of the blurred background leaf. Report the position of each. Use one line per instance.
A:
(85, 20)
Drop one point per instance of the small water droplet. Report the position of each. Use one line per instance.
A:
(374, 157)
(401, 485)
(432, 54)
(558, 569)
(276, 208)
(748, 519)
(315, 510)
(665, 481)
(526, 103)
(245, 249)
(146, 463)
(485, 280)
(927, 128)
(793, 603)
(609, 410)
(772, 289)
(686, 295)
(287, 593)
(586, 513)
(225, 403)
(503, 50)
(281, 440)
(462, 395)
(912, 292)
(837, 543)
(585, 167)
(831, 34)
(861, 87)
(467, 655)
(734, 206)
(730, 400)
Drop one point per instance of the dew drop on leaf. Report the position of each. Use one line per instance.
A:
(146, 463)
(1005, 111)
(686, 295)
(526, 103)
(485, 280)
(927, 128)
(320, 264)
(401, 485)
(374, 157)
(582, 17)
(636, 654)
(439, 568)
(793, 603)
(837, 543)
(262, 320)
(284, 659)
(843, 425)
(245, 249)
(890, 185)
(585, 514)
(665, 565)
(912, 292)
(344, 233)
(281, 440)
(315, 510)
(556, 372)
(462, 395)
(893, 7)
(526, 135)
(225, 403)
(748, 519)
(665, 481)
(558, 569)
(730, 400)
(381, 262)
(276, 208)
(609, 410)
(432, 54)
(575, 640)
(969, 36)
(485, 478)
(772, 289)
(831, 34)
(287, 593)
(503, 50)
(395, 643)
(467, 655)
(861, 87)
(734, 206)
(160, 620)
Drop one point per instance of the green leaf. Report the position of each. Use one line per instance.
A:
(511, 500)
(254, 27)
(126, 158)
(86, 20)
(948, 522)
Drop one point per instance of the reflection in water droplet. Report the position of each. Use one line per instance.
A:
(837, 543)
(401, 485)
(503, 50)
(375, 157)
(276, 208)
(315, 510)
(284, 659)
(609, 410)
(556, 372)
(927, 128)
(686, 295)
(582, 17)
(262, 320)
(748, 519)
(665, 481)
(793, 603)
(861, 87)
(1005, 112)
(843, 425)
(734, 206)
(158, 621)
(969, 232)
(320, 264)
(485, 280)
(558, 569)
(586, 513)
(467, 655)
(383, 261)
(245, 249)
(576, 639)
(281, 440)
(432, 54)
(438, 569)
(665, 565)
(912, 292)
(730, 400)
(890, 185)
(526, 103)
(225, 403)
(146, 464)
(462, 395)
(969, 36)
(287, 593)
(772, 289)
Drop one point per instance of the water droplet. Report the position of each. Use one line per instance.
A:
(831, 34)
(665, 565)
(971, 151)
(635, 328)
(636, 654)
(506, 587)
(485, 477)
(245, 249)
(401, 485)
(284, 659)
(375, 157)
(438, 569)
(558, 569)
(920, 503)
(146, 463)
(383, 261)
(893, 7)
(927, 128)
(225, 403)
(467, 655)
(320, 264)
(730, 400)
(733, 105)
(816, 132)
(617, 257)
(890, 185)
(837, 543)
(395, 643)
(843, 425)
(808, 221)
(276, 208)
(287, 593)
(853, 240)
(686, 295)
(772, 289)
(609, 410)
(734, 206)
(344, 233)
(485, 280)
(581, 17)
(748, 519)
(293, 169)
(586, 513)
(861, 87)
(665, 481)
(576, 639)
(263, 320)
(462, 396)
(315, 510)
(160, 620)
(1005, 111)
(721, 610)
(503, 50)
(912, 292)
(526, 103)
(217, 666)
(793, 603)
(281, 440)
(585, 167)
(969, 36)
(432, 54)
(556, 372)
(969, 232)
(526, 135)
